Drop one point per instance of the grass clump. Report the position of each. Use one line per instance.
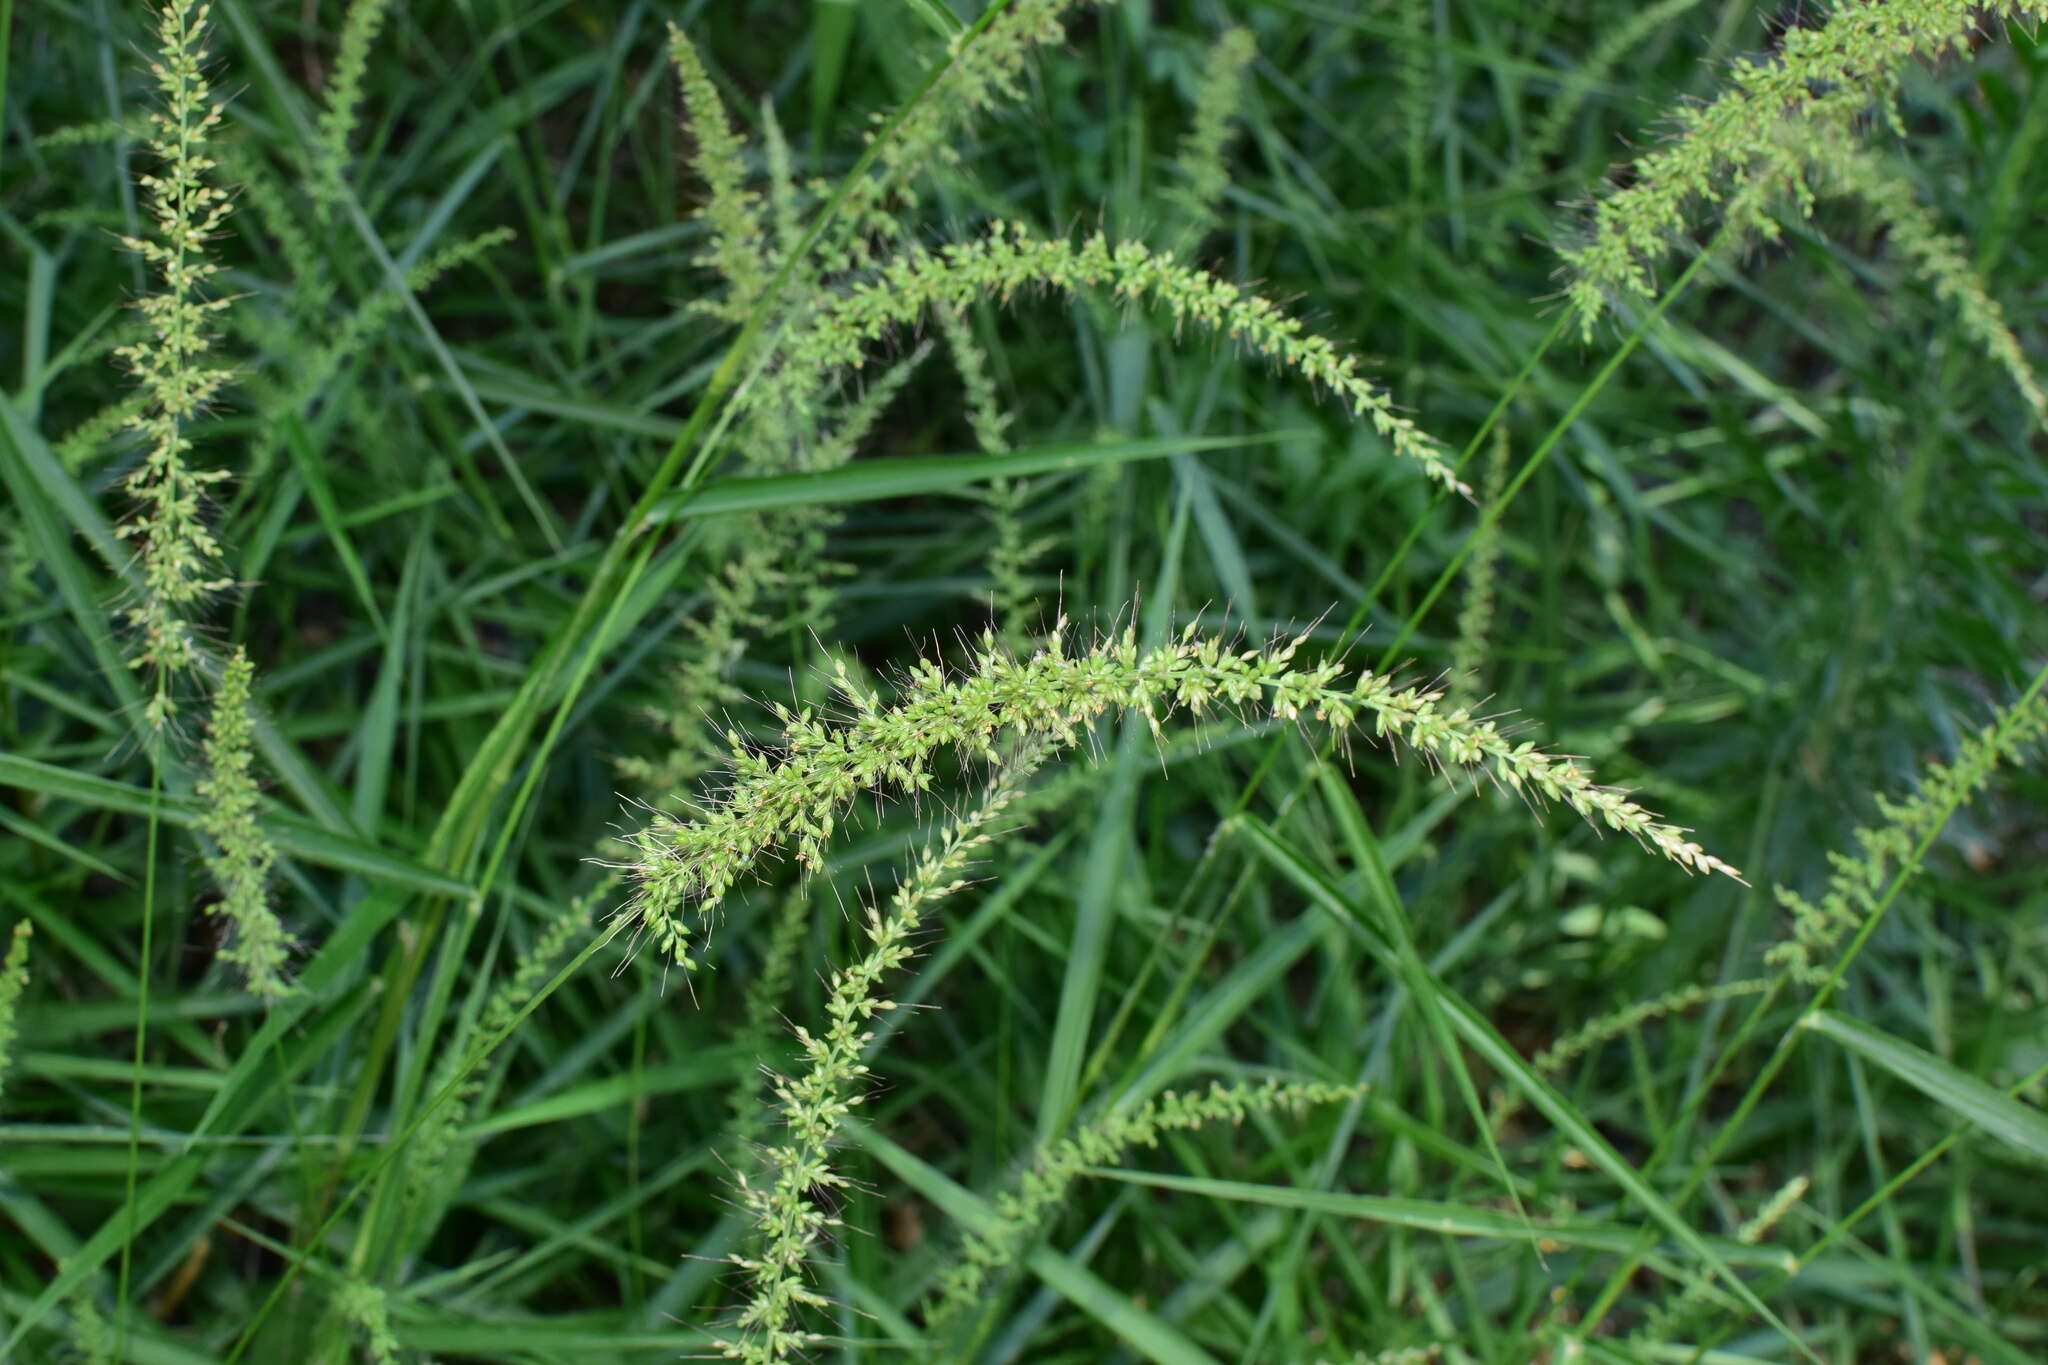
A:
(579, 611)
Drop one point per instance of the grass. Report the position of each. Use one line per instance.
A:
(530, 887)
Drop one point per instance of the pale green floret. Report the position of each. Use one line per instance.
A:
(1022, 1212)
(178, 553)
(1199, 162)
(1937, 257)
(1590, 72)
(1010, 259)
(813, 1104)
(1826, 77)
(1665, 1321)
(242, 855)
(1475, 616)
(366, 1309)
(337, 123)
(978, 76)
(1857, 889)
(13, 981)
(738, 250)
(794, 797)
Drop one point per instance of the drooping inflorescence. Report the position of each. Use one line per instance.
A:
(794, 797)
(1011, 258)
(1823, 78)
(1938, 257)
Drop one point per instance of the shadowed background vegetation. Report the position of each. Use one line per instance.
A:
(398, 603)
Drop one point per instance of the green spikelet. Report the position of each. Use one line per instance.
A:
(782, 1201)
(1009, 560)
(242, 855)
(178, 553)
(732, 212)
(775, 554)
(1588, 74)
(366, 1309)
(764, 997)
(1023, 1210)
(1475, 617)
(1824, 77)
(1597, 1032)
(343, 105)
(1667, 1320)
(1937, 257)
(1199, 167)
(784, 198)
(437, 1157)
(13, 981)
(1855, 891)
(1010, 259)
(794, 797)
(979, 76)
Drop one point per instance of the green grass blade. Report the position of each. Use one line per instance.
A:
(869, 480)
(2018, 1125)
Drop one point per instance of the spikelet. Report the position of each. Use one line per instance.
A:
(242, 854)
(1021, 1212)
(1604, 1029)
(1199, 165)
(732, 211)
(1666, 1320)
(1009, 259)
(774, 553)
(13, 981)
(178, 555)
(1938, 257)
(1823, 78)
(783, 1202)
(314, 367)
(342, 107)
(1475, 616)
(1589, 73)
(1855, 891)
(434, 1159)
(795, 796)
(365, 1308)
(1009, 560)
(979, 75)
